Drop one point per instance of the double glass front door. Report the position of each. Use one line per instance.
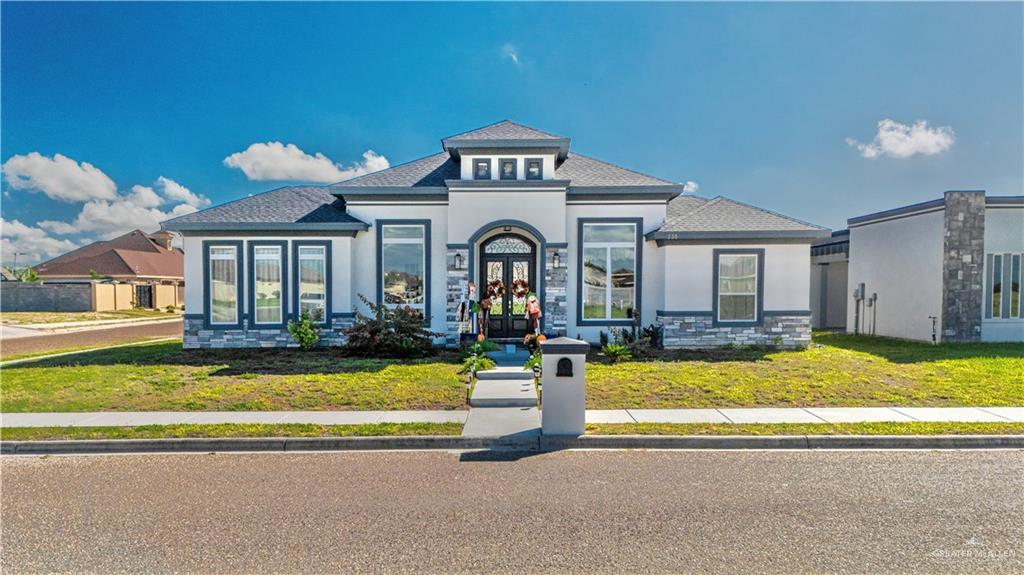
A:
(507, 263)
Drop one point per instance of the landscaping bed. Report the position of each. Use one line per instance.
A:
(164, 377)
(227, 430)
(867, 428)
(837, 370)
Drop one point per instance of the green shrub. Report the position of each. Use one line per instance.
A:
(389, 332)
(616, 352)
(535, 359)
(474, 363)
(304, 331)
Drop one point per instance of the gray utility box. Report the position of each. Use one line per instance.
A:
(564, 372)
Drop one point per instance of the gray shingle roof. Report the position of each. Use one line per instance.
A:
(430, 171)
(586, 171)
(693, 217)
(314, 207)
(505, 130)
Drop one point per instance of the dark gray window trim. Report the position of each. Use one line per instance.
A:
(542, 245)
(759, 312)
(328, 256)
(427, 241)
(240, 294)
(501, 170)
(683, 313)
(477, 161)
(989, 270)
(639, 222)
(250, 282)
(1007, 285)
(526, 168)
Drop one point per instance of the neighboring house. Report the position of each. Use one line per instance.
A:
(8, 275)
(148, 262)
(830, 259)
(952, 263)
(599, 244)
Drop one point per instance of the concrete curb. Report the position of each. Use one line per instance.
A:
(529, 444)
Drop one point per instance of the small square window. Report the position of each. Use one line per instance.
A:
(534, 169)
(508, 169)
(482, 169)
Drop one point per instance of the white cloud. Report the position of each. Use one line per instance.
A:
(144, 197)
(511, 52)
(59, 177)
(32, 245)
(57, 227)
(277, 161)
(174, 191)
(898, 140)
(690, 187)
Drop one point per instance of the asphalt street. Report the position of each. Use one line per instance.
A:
(568, 512)
(98, 337)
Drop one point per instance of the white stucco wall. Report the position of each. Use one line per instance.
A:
(341, 270)
(1004, 233)
(689, 276)
(901, 261)
(652, 275)
(466, 165)
(469, 211)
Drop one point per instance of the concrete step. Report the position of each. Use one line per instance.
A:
(504, 393)
(502, 372)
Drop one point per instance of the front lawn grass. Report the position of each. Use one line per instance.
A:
(164, 377)
(869, 428)
(227, 430)
(78, 348)
(41, 317)
(837, 370)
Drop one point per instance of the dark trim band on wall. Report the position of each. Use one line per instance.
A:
(296, 289)
(759, 309)
(541, 252)
(427, 241)
(684, 313)
(239, 292)
(786, 312)
(637, 280)
(251, 282)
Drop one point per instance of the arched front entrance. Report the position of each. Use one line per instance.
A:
(508, 261)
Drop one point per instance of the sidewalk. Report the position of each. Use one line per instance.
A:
(725, 415)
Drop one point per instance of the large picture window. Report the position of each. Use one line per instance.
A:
(222, 284)
(608, 270)
(403, 264)
(737, 287)
(1002, 286)
(312, 278)
(267, 294)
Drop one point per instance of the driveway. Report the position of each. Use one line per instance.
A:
(568, 512)
(16, 342)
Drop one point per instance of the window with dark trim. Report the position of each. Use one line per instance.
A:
(222, 284)
(311, 279)
(609, 270)
(268, 293)
(482, 169)
(507, 168)
(1003, 286)
(534, 169)
(403, 265)
(738, 286)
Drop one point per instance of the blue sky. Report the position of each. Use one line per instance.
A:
(778, 105)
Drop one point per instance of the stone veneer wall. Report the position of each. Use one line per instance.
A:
(555, 307)
(454, 291)
(697, 331)
(196, 336)
(963, 256)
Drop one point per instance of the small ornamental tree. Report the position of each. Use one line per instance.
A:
(304, 331)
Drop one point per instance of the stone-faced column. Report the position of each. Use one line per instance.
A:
(963, 254)
(456, 276)
(553, 298)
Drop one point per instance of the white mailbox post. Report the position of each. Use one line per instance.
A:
(564, 386)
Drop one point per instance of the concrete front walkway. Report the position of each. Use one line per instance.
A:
(807, 415)
(133, 418)
(520, 419)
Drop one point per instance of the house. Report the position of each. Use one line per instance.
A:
(503, 206)
(830, 259)
(147, 262)
(943, 270)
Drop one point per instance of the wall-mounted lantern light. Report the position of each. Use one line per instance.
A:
(458, 261)
(556, 260)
